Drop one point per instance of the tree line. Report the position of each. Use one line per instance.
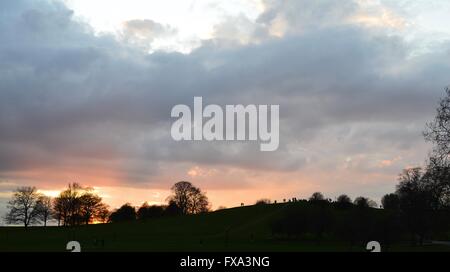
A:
(419, 207)
(407, 214)
(185, 199)
(78, 205)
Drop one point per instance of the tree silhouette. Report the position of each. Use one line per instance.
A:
(103, 214)
(23, 206)
(44, 209)
(438, 131)
(416, 202)
(67, 205)
(343, 202)
(317, 196)
(188, 198)
(78, 205)
(436, 180)
(91, 206)
(364, 202)
(390, 202)
(123, 214)
(172, 209)
(146, 211)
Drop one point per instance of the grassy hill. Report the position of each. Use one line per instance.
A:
(236, 229)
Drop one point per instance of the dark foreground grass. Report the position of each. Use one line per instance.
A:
(237, 229)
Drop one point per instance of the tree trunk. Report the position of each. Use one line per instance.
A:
(25, 219)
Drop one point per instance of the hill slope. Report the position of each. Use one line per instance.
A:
(237, 229)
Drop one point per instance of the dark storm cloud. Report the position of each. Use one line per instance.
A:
(67, 95)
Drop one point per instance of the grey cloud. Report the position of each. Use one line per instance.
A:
(142, 33)
(301, 15)
(68, 95)
(147, 29)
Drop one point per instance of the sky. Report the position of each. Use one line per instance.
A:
(86, 90)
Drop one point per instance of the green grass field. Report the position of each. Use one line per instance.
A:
(237, 229)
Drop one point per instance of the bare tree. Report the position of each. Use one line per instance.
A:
(188, 198)
(198, 201)
(103, 214)
(44, 208)
(438, 131)
(181, 191)
(416, 201)
(59, 210)
(77, 205)
(436, 179)
(67, 205)
(90, 204)
(22, 206)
